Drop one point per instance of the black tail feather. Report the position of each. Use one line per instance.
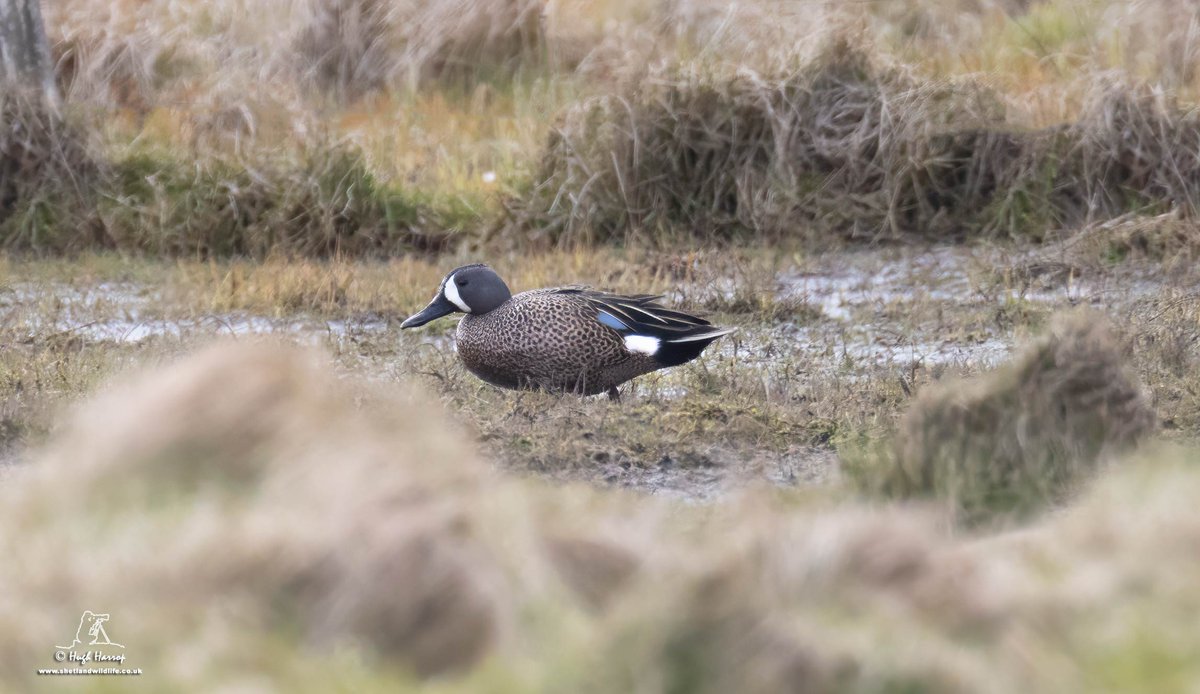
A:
(675, 353)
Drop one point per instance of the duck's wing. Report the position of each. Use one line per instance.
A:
(644, 326)
(641, 314)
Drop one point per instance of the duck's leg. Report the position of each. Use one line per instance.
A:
(614, 394)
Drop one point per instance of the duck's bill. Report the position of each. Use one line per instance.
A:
(436, 309)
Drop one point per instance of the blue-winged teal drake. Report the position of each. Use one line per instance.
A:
(570, 339)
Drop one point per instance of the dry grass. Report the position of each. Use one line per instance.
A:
(1168, 239)
(1023, 437)
(352, 47)
(135, 54)
(221, 463)
(140, 56)
(47, 172)
(187, 79)
(322, 201)
(852, 600)
(848, 147)
(319, 201)
(271, 565)
(1164, 341)
(341, 287)
(1039, 51)
(1138, 150)
(852, 147)
(709, 152)
(688, 117)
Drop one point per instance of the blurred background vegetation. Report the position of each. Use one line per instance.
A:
(372, 127)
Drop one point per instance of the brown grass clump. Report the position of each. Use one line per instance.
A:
(843, 145)
(139, 56)
(109, 64)
(1157, 38)
(347, 47)
(955, 22)
(242, 485)
(1167, 237)
(144, 56)
(850, 147)
(850, 599)
(352, 47)
(817, 600)
(1170, 238)
(47, 172)
(756, 31)
(1138, 149)
(321, 201)
(1023, 437)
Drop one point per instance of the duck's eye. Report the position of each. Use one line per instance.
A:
(462, 283)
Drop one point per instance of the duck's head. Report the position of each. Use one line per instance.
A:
(473, 289)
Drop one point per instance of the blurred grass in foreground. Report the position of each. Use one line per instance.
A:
(306, 532)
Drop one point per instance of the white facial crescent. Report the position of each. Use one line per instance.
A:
(451, 292)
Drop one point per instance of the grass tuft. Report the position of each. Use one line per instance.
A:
(323, 202)
(1013, 442)
(220, 464)
(349, 48)
(1140, 150)
(845, 144)
(848, 146)
(47, 175)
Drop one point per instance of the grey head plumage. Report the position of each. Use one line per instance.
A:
(474, 289)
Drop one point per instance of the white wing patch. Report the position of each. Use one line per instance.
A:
(451, 291)
(642, 343)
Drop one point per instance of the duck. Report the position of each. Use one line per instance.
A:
(570, 339)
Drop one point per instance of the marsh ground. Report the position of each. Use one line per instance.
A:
(830, 347)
